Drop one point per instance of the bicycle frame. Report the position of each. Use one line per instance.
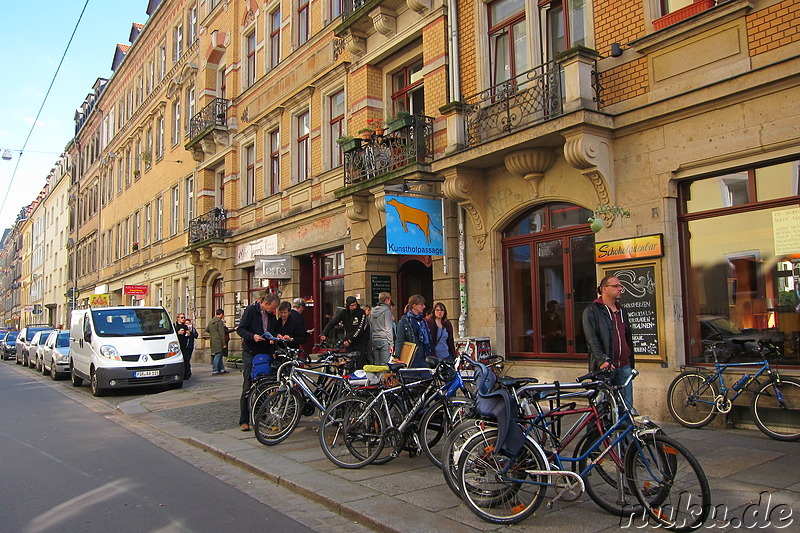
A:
(718, 376)
(299, 377)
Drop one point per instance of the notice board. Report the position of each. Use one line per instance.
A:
(642, 301)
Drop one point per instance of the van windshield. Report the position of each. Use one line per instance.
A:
(131, 322)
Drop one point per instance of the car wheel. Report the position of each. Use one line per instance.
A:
(31, 362)
(94, 382)
(77, 381)
(44, 368)
(53, 374)
(39, 365)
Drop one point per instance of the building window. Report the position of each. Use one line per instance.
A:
(148, 149)
(128, 167)
(548, 266)
(274, 162)
(137, 220)
(120, 177)
(148, 228)
(189, 200)
(336, 8)
(336, 109)
(274, 38)
(303, 126)
(175, 214)
(303, 22)
(191, 25)
(137, 158)
(250, 174)
(407, 90)
(162, 60)
(565, 30)
(331, 284)
(176, 121)
(217, 296)
(742, 281)
(190, 109)
(177, 43)
(151, 76)
(250, 47)
(255, 286)
(508, 40)
(139, 90)
(160, 137)
(670, 6)
(159, 227)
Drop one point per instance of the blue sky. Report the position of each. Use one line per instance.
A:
(34, 36)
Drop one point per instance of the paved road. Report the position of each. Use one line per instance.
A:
(753, 478)
(69, 468)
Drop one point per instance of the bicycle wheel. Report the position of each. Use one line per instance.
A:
(691, 400)
(499, 489)
(437, 422)
(605, 483)
(350, 432)
(451, 450)
(668, 482)
(781, 421)
(398, 409)
(278, 416)
(258, 394)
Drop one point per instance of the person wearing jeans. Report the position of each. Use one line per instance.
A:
(381, 326)
(218, 333)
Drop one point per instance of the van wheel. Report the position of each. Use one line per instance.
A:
(76, 380)
(96, 390)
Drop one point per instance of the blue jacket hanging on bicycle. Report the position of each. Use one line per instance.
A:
(602, 337)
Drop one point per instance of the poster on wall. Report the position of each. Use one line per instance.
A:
(414, 226)
(642, 301)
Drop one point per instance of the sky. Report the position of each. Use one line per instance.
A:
(34, 36)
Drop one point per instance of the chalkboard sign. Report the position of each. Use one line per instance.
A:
(641, 301)
(380, 284)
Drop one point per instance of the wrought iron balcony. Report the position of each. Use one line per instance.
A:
(531, 97)
(394, 150)
(208, 226)
(212, 116)
(351, 6)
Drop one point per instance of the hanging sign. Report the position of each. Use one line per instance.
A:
(414, 226)
(273, 266)
(136, 290)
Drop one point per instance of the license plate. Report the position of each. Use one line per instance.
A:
(146, 374)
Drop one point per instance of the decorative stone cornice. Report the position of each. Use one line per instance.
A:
(530, 164)
(384, 20)
(466, 188)
(356, 208)
(355, 44)
(418, 5)
(591, 151)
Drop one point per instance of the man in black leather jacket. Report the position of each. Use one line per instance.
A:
(608, 334)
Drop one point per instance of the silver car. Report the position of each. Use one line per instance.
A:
(53, 355)
(33, 348)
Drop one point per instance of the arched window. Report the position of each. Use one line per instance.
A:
(217, 296)
(549, 275)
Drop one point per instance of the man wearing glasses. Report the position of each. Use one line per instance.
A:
(608, 334)
(186, 333)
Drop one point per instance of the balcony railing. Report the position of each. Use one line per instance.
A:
(213, 115)
(210, 225)
(531, 97)
(382, 154)
(351, 6)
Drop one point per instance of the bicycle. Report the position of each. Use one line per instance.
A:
(696, 395)
(300, 389)
(662, 474)
(356, 429)
(542, 410)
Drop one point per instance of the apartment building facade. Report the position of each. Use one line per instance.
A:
(669, 123)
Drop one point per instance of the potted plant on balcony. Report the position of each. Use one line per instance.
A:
(147, 158)
(377, 125)
(402, 119)
(135, 246)
(366, 133)
(348, 143)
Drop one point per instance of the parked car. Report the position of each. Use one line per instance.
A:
(24, 339)
(53, 355)
(8, 345)
(33, 348)
(739, 343)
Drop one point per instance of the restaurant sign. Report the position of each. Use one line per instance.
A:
(629, 249)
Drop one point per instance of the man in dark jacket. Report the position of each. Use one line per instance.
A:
(257, 321)
(354, 321)
(608, 334)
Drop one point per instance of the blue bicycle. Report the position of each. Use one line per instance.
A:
(697, 394)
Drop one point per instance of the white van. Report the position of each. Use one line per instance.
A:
(120, 347)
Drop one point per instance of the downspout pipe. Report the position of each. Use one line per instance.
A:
(453, 51)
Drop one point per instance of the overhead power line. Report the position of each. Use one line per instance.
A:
(36, 120)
